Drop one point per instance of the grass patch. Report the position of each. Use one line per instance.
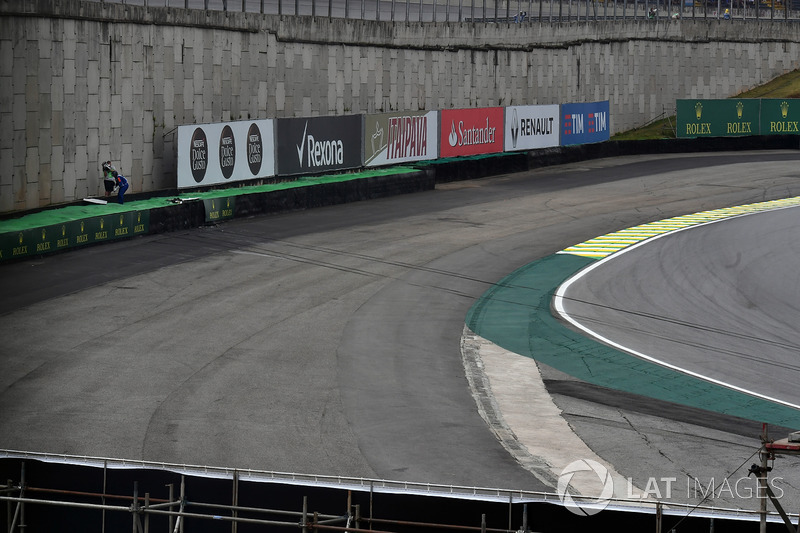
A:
(786, 86)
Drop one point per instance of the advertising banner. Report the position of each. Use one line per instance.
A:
(318, 144)
(210, 154)
(400, 137)
(38, 241)
(219, 208)
(531, 126)
(585, 123)
(780, 116)
(471, 131)
(733, 117)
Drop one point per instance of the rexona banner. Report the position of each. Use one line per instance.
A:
(531, 126)
(780, 116)
(584, 123)
(210, 154)
(717, 118)
(400, 137)
(471, 131)
(318, 144)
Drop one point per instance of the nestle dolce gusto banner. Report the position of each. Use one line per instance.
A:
(400, 137)
(210, 154)
(471, 131)
(531, 126)
(584, 123)
(318, 144)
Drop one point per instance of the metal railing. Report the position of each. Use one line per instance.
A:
(501, 11)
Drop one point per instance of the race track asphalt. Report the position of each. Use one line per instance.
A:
(328, 341)
(718, 300)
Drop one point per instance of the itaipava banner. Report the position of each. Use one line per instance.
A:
(400, 137)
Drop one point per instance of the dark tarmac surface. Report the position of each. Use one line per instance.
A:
(327, 341)
(718, 300)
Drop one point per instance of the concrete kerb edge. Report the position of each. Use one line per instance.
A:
(546, 450)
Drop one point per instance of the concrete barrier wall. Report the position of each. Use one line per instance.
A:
(83, 82)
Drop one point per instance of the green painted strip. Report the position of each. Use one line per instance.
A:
(515, 314)
(77, 212)
(78, 225)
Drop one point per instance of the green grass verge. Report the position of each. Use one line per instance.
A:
(786, 86)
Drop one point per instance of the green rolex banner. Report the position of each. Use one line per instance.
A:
(718, 118)
(16, 244)
(46, 239)
(219, 208)
(780, 116)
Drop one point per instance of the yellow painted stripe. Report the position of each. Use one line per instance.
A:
(606, 245)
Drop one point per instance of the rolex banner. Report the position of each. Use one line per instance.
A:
(780, 116)
(400, 137)
(46, 239)
(219, 208)
(733, 117)
(531, 126)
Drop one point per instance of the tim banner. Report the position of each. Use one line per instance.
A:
(210, 154)
(734, 117)
(471, 131)
(531, 126)
(780, 116)
(400, 137)
(585, 123)
(318, 144)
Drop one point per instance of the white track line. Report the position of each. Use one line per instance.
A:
(558, 305)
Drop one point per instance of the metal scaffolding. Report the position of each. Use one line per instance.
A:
(170, 509)
(19, 496)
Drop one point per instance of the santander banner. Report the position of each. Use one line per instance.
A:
(471, 131)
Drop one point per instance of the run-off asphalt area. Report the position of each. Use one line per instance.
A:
(327, 341)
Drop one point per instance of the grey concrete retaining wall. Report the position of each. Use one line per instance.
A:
(82, 82)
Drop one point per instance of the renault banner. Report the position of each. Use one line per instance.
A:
(210, 154)
(531, 126)
(400, 137)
